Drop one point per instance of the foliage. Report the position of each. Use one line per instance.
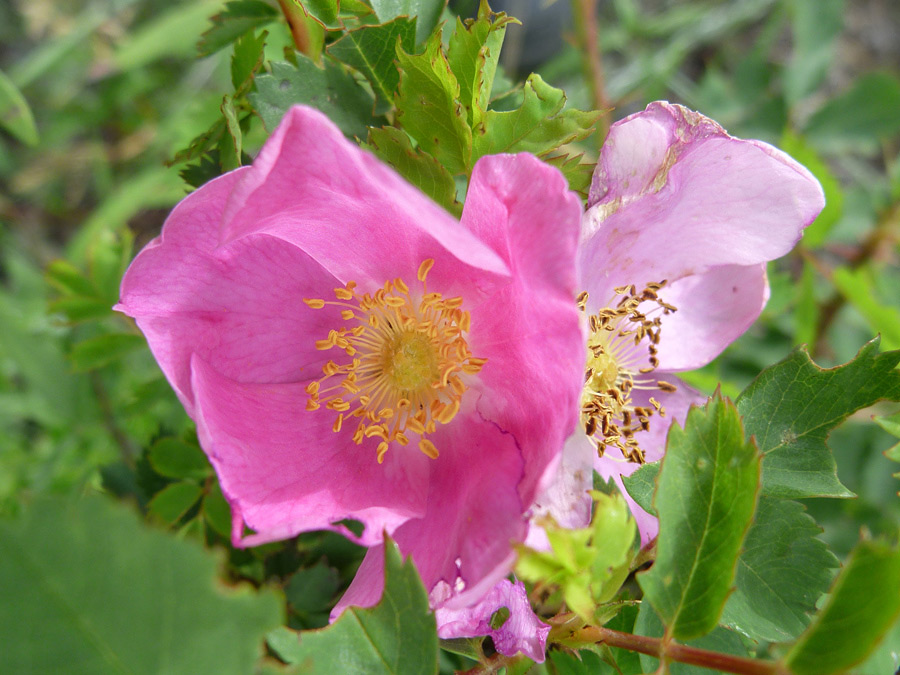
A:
(111, 111)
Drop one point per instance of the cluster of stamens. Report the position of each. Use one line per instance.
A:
(405, 363)
(615, 369)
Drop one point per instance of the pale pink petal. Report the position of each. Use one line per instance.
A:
(314, 188)
(523, 209)
(284, 471)
(652, 442)
(712, 200)
(713, 309)
(522, 632)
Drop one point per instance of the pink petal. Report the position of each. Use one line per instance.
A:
(652, 442)
(714, 309)
(523, 209)
(314, 188)
(674, 195)
(285, 471)
(472, 514)
(522, 632)
(239, 307)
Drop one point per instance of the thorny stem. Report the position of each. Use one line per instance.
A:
(297, 23)
(672, 651)
(883, 235)
(588, 36)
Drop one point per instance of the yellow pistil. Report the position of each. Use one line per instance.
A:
(403, 365)
(619, 334)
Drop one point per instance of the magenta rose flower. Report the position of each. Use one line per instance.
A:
(681, 221)
(348, 350)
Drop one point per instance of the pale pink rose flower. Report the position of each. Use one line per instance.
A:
(674, 199)
(348, 350)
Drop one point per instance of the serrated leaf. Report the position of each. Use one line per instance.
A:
(15, 115)
(642, 484)
(201, 144)
(415, 165)
(371, 50)
(325, 12)
(427, 13)
(706, 497)
(791, 407)
(329, 89)
(863, 605)
(102, 350)
(892, 426)
(237, 19)
(173, 458)
(783, 570)
(78, 577)
(249, 51)
(577, 173)
(428, 107)
(539, 126)
(173, 501)
(398, 635)
(230, 146)
(473, 55)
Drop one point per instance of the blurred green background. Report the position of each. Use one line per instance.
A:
(98, 96)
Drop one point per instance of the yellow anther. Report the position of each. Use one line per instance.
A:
(424, 268)
(312, 387)
(448, 413)
(427, 447)
(327, 343)
(315, 303)
(381, 452)
(337, 423)
(347, 314)
(343, 294)
(402, 287)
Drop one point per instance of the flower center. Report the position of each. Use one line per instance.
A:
(622, 348)
(403, 365)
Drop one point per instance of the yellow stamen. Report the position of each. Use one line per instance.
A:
(409, 368)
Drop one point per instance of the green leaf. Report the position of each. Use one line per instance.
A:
(230, 145)
(864, 113)
(539, 125)
(87, 588)
(427, 13)
(371, 50)
(816, 24)
(783, 570)
(706, 497)
(642, 484)
(858, 288)
(102, 350)
(173, 458)
(64, 276)
(15, 115)
(428, 107)
(173, 501)
(418, 167)
(577, 173)
(237, 19)
(77, 308)
(249, 52)
(473, 55)
(311, 593)
(331, 90)
(325, 12)
(398, 635)
(800, 149)
(863, 605)
(892, 426)
(216, 511)
(791, 407)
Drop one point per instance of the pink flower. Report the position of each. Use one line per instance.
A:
(521, 632)
(682, 219)
(350, 351)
